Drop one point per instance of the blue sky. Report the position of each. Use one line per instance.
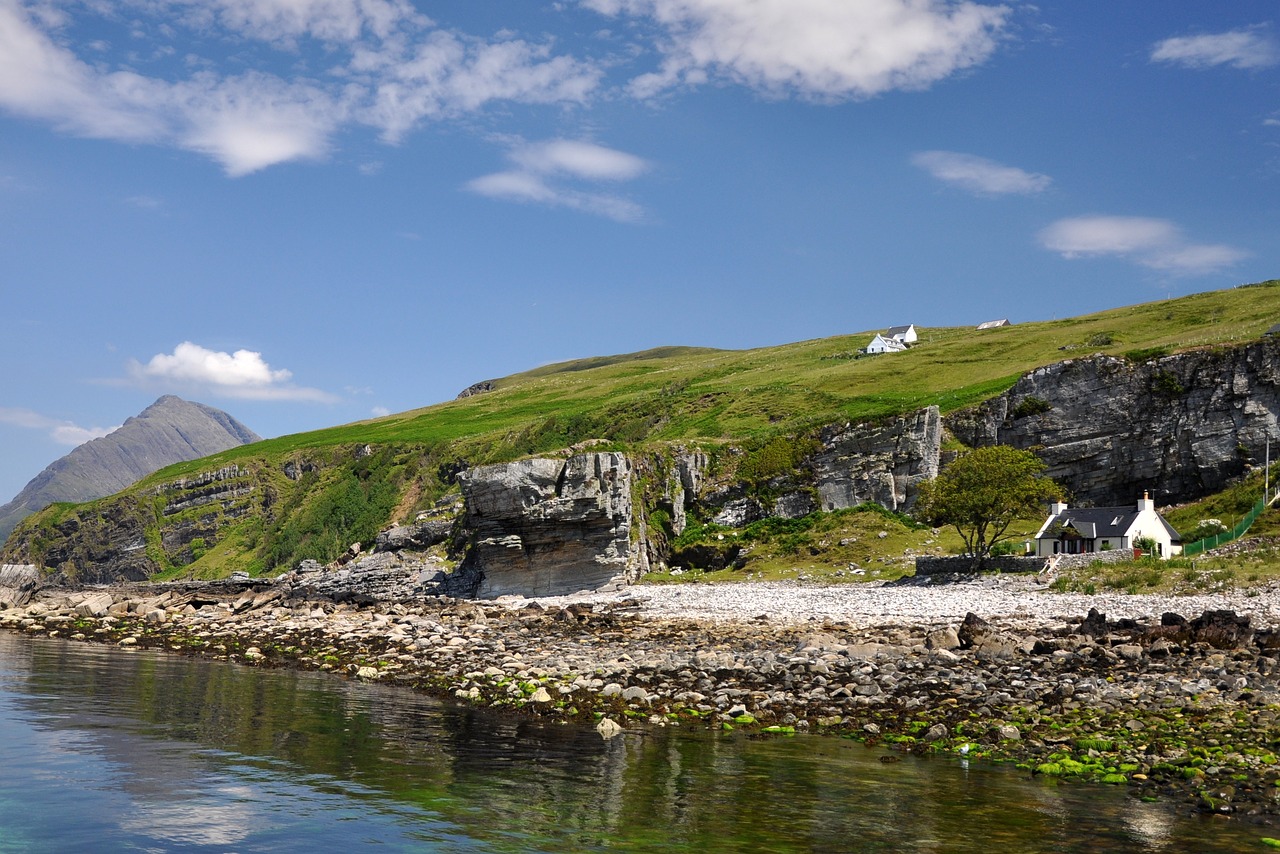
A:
(309, 212)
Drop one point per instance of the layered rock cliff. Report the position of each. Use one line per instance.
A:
(882, 463)
(546, 527)
(1181, 426)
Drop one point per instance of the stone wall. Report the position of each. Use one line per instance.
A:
(950, 564)
(932, 565)
(1079, 561)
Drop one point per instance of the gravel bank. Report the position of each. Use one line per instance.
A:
(1019, 599)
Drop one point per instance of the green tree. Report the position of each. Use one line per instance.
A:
(983, 492)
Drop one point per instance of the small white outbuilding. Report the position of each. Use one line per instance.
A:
(881, 344)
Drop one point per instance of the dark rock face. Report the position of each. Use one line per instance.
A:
(474, 389)
(169, 431)
(105, 547)
(1181, 426)
(420, 535)
(547, 527)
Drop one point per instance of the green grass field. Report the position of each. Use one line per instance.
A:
(764, 401)
(691, 394)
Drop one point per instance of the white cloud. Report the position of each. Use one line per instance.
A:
(447, 74)
(579, 159)
(380, 412)
(254, 121)
(74, 435)
(62, 432)
(1155, 243)
(327, 20)
(387, 68)
(821, 48)
(545, 167)
(979, 175)
(1238, 48)
(243, 374)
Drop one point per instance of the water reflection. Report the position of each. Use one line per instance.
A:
(148, 751)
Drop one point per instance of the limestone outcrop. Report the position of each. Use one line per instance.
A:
(546, 527)
(1180, 426)
(882, 463)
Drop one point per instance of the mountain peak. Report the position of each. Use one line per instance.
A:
(171, 430)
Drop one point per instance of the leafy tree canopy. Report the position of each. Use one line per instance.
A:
(983, 492)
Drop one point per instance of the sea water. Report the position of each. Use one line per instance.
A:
(105, 750)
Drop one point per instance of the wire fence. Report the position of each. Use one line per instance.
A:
(1227, 536)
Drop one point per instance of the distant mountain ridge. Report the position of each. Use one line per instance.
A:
(171, 430)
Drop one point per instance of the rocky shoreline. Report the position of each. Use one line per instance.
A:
(1118, 689)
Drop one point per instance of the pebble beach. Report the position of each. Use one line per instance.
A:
(1175, 697)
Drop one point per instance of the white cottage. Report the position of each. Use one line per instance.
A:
(1096, 529)
(903, 334)
(881, 344)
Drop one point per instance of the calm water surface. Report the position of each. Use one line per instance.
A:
(102, 750)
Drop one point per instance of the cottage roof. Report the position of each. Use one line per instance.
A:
(1098, 522)
(899, 330)
(1093, 522)
(994, 324)
(1274, 330)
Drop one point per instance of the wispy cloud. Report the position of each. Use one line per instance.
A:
(979, 175)
(60, 431)
(1155, 243)
(1247, 48)
(389, 68)
(243, 374)
(551, 173)
(829, 49)
(149, 203)
(384, 65)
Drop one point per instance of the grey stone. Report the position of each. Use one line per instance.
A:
(946, 638)
(547, 527)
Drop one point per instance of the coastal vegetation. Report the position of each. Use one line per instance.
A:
(756, 414)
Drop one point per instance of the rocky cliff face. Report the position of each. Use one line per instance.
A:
(881, 463)
(1181, 426)
(169, 431)
(547, 527)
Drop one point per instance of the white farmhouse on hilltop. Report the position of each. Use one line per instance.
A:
(903, 334)
(1094, 529)
(881, 344)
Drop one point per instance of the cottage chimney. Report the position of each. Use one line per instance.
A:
(1057, 508)
(1145, 503)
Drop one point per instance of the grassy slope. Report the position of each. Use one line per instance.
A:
(692, 394)
(689, 393)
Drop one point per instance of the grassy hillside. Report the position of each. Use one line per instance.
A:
(638, 401)
(687, 393)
